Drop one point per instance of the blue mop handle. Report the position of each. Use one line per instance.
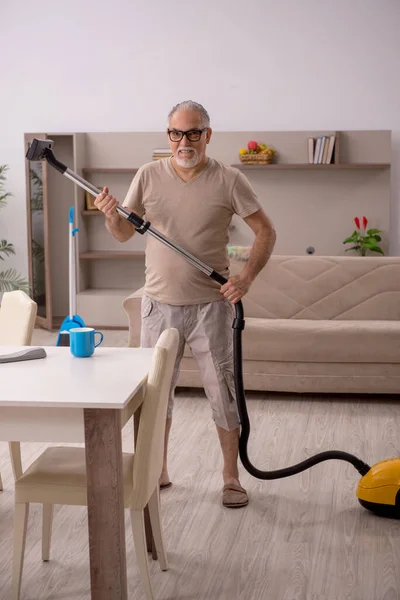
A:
(72, 265)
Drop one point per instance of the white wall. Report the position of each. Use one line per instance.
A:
(257, 65)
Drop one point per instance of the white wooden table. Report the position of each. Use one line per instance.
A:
(62, 398)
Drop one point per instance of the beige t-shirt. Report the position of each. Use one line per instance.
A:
(196, 216)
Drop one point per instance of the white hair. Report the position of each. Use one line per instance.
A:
(191, 105)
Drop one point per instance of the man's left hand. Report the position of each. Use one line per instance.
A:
(235, 288)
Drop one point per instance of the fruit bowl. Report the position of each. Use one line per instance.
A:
(256, 154)
(256, 159)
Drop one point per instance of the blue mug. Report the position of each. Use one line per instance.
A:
(82, 341)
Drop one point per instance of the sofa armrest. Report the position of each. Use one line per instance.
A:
(132, 306)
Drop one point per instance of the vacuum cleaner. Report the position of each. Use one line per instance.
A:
(379, 486)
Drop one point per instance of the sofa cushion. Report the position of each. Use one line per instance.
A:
(304, 340)
(308, 377)
(325, 287)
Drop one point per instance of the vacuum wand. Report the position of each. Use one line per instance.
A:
(42, 150)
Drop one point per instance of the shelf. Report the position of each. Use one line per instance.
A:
(111, 254)
(117, 293)
(333, 167)
(109, 170)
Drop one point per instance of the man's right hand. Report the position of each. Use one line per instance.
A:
(107, 204)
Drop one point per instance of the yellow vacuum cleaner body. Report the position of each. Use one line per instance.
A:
(379, 489)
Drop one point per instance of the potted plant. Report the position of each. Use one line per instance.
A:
(9, 279)
(364, 239)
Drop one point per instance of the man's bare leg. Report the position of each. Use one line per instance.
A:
(164, 477)
(234, 496)
(229, 441)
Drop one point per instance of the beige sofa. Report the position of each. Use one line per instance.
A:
(314, 324)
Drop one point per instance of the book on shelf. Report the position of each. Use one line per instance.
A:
(325, 152)
(331, 147)
(310, 147)
(317, 150)
(320, 150)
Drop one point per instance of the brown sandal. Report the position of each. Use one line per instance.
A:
(234, 496)
(166, 485)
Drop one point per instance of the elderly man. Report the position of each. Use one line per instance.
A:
(191, 199)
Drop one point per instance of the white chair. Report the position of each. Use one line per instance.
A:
(58, 476)
(17, 320)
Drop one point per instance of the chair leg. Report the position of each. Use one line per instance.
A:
(155, 519)
(16, 459)
(21, 512)
(139, 539)
(1, 484)
(46, 530)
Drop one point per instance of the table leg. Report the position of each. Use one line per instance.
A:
(105, 489)
(151, 547)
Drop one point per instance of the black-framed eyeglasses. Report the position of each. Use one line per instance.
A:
(193, 135)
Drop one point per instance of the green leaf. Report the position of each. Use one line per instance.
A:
(370, 244)
(36, 179)
(37, 251)
(37, 204)
(370, 240)
(377, 249)
(3, 200)
(2, 169)
(373, 239)
(354, 238)
(373, 231)
(353, 248)
(3, 197)
(10, 281)
(6, 248)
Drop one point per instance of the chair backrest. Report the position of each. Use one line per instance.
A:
(17, 319)
(150, 440)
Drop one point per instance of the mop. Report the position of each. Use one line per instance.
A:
(73, 320)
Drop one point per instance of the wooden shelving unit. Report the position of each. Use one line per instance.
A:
(310, 205)
(310, 167)
(117, 170)
(111, 255)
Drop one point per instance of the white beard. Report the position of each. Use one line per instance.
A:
(187, 163)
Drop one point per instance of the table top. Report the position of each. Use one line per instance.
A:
(108, 379)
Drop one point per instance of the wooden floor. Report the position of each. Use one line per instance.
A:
(301, 538)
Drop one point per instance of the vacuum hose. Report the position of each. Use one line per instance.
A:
(361, 466)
